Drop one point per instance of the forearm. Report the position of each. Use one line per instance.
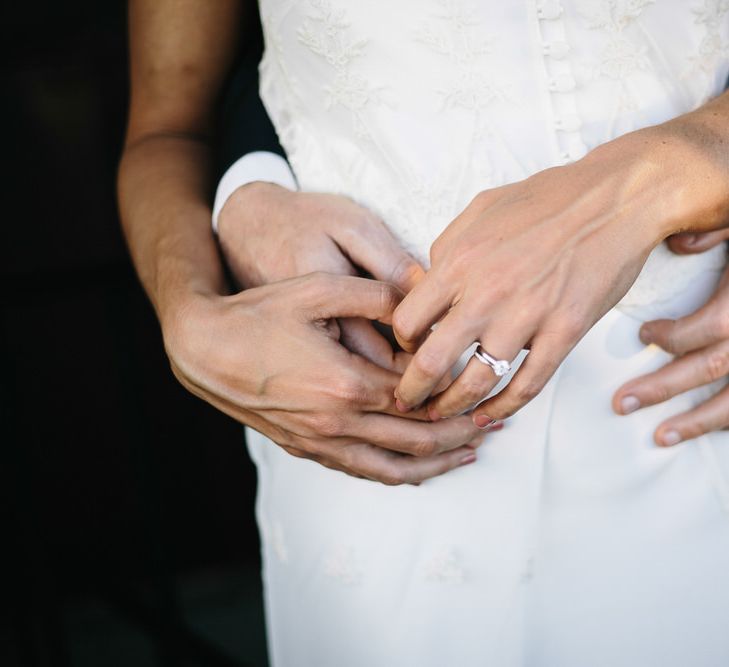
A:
(163, 193)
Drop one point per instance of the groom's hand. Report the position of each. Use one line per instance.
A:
(268, 233)
(700, 345)
(271, 358)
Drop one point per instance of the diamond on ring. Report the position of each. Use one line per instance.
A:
(500, 367)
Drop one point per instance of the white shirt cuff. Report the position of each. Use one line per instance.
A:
(256, 166)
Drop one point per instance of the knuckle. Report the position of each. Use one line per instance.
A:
(428, 363)
(436, 250)
(315, 284)
(717, 364)
(394, 476)
(403, 324)
(298, 453)
(425, 445)
(473, 392)
(327, 425)
(348, 389)
(502, 411)
(347, 456)
(572, 326)
(482, 199)
(527, 390)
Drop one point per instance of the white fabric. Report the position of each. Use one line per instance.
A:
(573, 540)
(254, 166)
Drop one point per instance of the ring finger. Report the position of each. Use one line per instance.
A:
(476, 380)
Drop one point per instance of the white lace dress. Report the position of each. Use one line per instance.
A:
(574, 541)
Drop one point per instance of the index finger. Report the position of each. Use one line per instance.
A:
(328, 295)
(419, 310)
(435, 357)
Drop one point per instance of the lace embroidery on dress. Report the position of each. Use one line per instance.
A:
(342, 565)
(455, 33)
(279, 87)
(712, 47)
(461, 40)
(445, 566)
(327, 34)
(621, 57)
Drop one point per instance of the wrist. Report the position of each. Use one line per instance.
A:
(184, 318)
(247, 204)
(685, 161)
(181, 287)
(699, 142)
(259, 166)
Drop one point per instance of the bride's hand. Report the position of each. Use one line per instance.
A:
(270, 357)
(536, 263)
(700, 343)
(268, 233)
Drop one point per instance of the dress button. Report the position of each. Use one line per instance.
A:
(562, 83)
(556, 50)
(549, 10)
(568, 123)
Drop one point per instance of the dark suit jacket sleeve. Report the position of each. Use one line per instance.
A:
(243, 126)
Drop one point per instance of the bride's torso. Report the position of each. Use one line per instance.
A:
(411, 107)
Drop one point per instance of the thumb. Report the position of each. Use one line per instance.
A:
(689, 243)
(371, 246)
(327, 295)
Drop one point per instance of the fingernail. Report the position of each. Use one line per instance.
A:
(495, 427)
(690, 239)
(433, 414)
(629, 404)
(671, 438)
(645, 334)
(468, 458)
(401, 406)
(483, 421)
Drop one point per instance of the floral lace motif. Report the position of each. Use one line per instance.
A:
(620, 57)
(458, 36)
(327, 34)
(471, 83)
(712, 47)
(342, 566)
(445, 566)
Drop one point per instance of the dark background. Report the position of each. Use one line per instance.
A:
(129, 528)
